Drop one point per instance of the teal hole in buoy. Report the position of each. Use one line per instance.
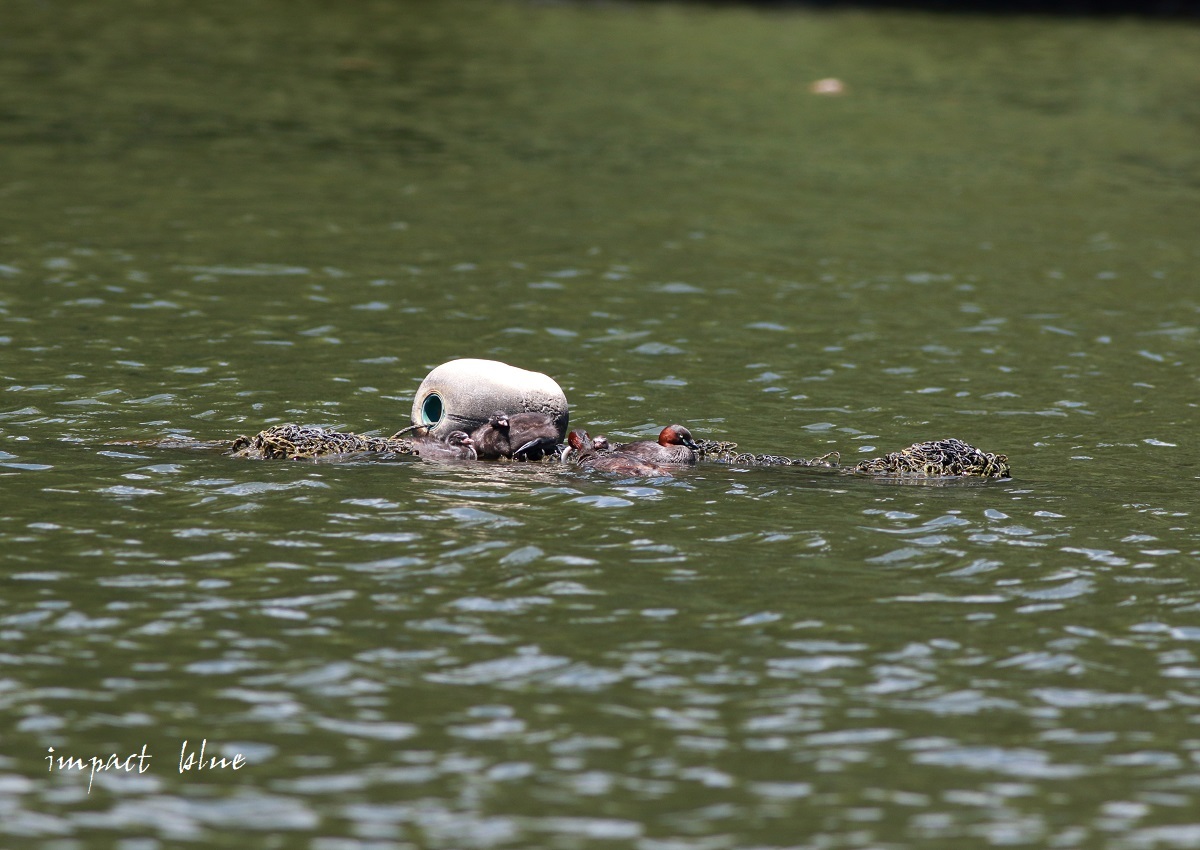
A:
(431, 410)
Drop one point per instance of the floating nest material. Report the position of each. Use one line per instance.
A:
(304, 442)
(937, 459)
(726, 452)
(934, 459)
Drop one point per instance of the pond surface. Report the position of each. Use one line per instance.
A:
(222, 216)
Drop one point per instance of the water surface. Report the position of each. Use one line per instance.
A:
(215, 219)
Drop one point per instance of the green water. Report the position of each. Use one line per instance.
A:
(215, 217)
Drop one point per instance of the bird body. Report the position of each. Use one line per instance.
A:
(522, 436)
(533, 435)
(458, 445)
(674, 447)
(588, 456)
(491, 439)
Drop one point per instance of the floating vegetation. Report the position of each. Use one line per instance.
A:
(305, 442)
(726, 452)
(937, 459)
(949, 458)
(934, 459)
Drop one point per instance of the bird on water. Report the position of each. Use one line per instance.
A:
(458, 445)
(674, 447)
(522, 436)
(586, 454)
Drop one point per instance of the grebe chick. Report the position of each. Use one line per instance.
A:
(532, 434)
(579, 445)
(491, 438)
(458, 445)
(521, 436)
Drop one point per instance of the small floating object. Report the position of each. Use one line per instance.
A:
(462, 395)
(828, 86)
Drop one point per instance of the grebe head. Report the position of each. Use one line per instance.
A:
(676, 435)
(579, 441)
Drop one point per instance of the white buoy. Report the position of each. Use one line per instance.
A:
(461, 395)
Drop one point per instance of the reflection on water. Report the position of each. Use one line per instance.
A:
(215, 222)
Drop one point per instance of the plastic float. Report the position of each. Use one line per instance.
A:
(461, 395)
(465, 395)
